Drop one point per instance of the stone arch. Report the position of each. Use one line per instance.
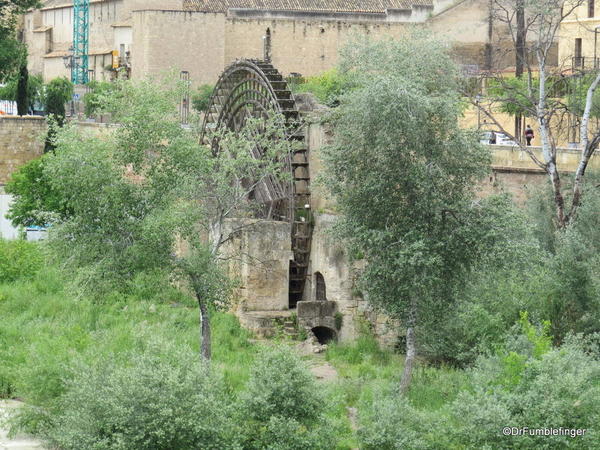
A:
(320, 288)
(324, 334)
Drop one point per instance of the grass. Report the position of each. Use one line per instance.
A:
(45, 328)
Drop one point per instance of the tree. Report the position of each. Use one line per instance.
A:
(402, 173)
(57, 92)
(34, 90)
(13, 54)
(541, 19)
(33, 196)
(153, 186)
(201, 98)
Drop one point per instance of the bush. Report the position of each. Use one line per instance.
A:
(19, 259)
(34, 197)
(282, 433)
(58, 92)
(391, 422)
(327, 87)
(280, 385)
(530, 384)
(201, 98)
(92, 101)
(153, 402)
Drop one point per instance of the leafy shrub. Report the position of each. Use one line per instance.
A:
(282, 406)
(34, 90)
(153, 402)
(280, 385)
(34, 197)
(529, 384)
(92, 101)
(282, 433)
(327, 87)
(58, 92)
(201, 98)
(391, 422)
(19, 259)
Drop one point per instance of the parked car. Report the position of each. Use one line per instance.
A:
(501, 138)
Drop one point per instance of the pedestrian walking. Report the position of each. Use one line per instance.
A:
(528, 135)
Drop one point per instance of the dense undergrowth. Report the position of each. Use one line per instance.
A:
(124, 372)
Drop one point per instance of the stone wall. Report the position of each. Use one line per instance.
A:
(177, 40)
(308, 47)
(258, 254)
(21, 140)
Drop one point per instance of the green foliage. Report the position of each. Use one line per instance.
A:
(570, 295)
(339, 320)
(13, 53)
(280, 385)
(45, 328)
(577, 95)
(57, 92)
(34, 90)
(152, 180)
(402, 172)
(93, 100)
(327, 87)
(35, 201)
(514, 94)
(504, 281)
(283, 433)
(282, 406)
(19, 260)
(391, 422)
(162, 399)
(558, 388)
(201, 98)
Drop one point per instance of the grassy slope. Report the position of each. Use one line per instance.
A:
(44, 328)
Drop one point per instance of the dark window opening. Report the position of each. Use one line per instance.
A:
(321, 293)
(591, 8)
(297, 278)
(324, 335)
(578, 59)
(267, 45)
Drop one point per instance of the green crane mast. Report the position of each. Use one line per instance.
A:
(81, 33)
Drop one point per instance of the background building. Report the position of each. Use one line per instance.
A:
(203, 36)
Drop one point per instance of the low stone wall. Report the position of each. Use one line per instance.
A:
(21, 140)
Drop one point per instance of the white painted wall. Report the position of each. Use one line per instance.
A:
(7, 231)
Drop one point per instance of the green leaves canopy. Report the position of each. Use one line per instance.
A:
(403, 172)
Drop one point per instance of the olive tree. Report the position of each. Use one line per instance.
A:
(403, 175)
(150, 196)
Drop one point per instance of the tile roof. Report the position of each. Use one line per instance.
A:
(372, 6)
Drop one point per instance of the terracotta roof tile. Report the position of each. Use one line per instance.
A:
(374, 6)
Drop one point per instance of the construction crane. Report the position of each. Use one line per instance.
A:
(81, 34)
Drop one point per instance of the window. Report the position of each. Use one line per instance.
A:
(578, 60)
(321, 292)
(591, 8)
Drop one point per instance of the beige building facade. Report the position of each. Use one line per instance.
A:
(579, 40)
(203, 36)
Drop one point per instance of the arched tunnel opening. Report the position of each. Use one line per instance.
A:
(324, 334)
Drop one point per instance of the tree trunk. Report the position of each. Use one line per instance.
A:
(519, 57)
(205, 348)
(559, 201)
(22, 100)
(410, 353)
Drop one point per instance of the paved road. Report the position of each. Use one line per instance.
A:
(19, 442)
